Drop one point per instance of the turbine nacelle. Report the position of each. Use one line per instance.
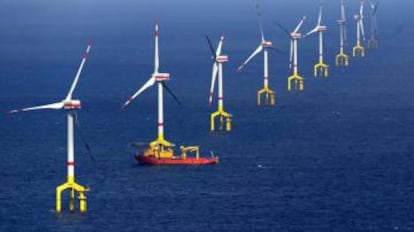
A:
(321, 28)
(357, 17)
(71, 104)
(341, 21)
(222, 59)
(296, 35)
(267, 44)
(161, 76)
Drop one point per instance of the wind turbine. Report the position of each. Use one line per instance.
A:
(342, 59)
(372, 42)
(70, 105)
(264, 46)
(219, 59)
(295, 35)
(359, 49)
(320, 68)
(161, 148)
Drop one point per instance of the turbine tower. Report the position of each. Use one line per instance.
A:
(342, 59)
(160, 147)
(359, 50)
(373, 42)
(320, 68)
(295, 78)
(70, 105)
(219, 59)
(264, 46)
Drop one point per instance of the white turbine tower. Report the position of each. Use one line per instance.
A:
(320, 68)
(264, 47)
(219, 59)
(373, 42)
(161, 147)
(70, 105)
(342, 59)
(359, 49)
(295, 35)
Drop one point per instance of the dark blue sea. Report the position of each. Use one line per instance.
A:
(337, 157)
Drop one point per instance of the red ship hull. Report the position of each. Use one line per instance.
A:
(151, 160)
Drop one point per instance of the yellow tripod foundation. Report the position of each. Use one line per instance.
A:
(73, 187)
(321, 69)
(269, 96)
(224, 118)
(160, 148)
(358, 51)
(297, 81)
(342, 60)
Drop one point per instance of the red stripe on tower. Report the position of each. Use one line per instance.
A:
(71, 163)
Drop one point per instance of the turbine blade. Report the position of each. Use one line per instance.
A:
(299, 25)
(148, 84)
(284, 29)
(259, 15)
(311, 32)
(220, 46)
(361, 23)
(170, 92)
(343, 10)
(320, 14)
(75, 81)
(213, 81)
(255, 52)
(53, 106)
(211, 47)
(157, 55)
(80, 132)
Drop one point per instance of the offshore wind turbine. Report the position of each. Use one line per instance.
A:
(70, 105)
(295, 36)
(320, 68)
(264, 46)
(359, 49)
(373, 42)
(342, 59)
(160, 151)
(160, 144)
(219, 59)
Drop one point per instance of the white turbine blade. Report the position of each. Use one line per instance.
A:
(343, 11)
(299, 25)
(75, 81)
(257, 51)
(320, 15)
(220, 45)
(311, 32)
(361, 9)
(53, 106)
(213, 81)
(361, 23)
(156, 56)
(148, 84)
(291, 54)
(259, 15)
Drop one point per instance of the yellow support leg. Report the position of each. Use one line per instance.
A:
(224, 117)
(269, 96)
(358, 51)
(321, 69)
(298, 83)
(342, 60)
(73, 187)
